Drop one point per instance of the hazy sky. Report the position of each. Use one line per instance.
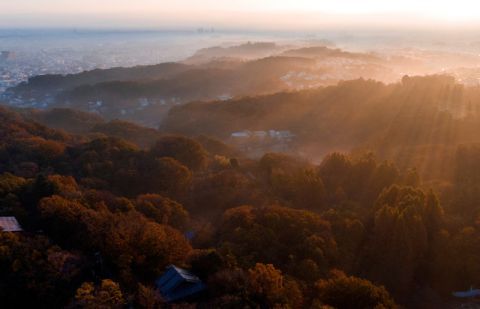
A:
(275, 14)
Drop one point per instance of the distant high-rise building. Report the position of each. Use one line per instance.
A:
(205, 30)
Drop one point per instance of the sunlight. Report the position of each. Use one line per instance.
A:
(451, 11)
(239, 154)
(447, 10)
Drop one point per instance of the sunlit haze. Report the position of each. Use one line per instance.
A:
(239, 154)
(268, 14)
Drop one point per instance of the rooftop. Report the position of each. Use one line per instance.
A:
(9, 224)
(177, 283)
(467, 294)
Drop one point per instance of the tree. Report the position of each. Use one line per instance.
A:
(141, 248)
(107, 295)
(219, 191)
(162, 210)
(148, 298)
(35, 273)
(405, 227)
(10, 188)
(163, 175)
(268, 287)
(205, 263)
(134, 245)
(294, 181)
(345, 292)
(359, 180)
(10, 183)
(266, 283)
(185, 150)
(277, 235)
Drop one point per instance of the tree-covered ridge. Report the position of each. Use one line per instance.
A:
(418, 122)
(144, 94)
(103, 217)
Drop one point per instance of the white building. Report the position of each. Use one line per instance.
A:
(9, 224)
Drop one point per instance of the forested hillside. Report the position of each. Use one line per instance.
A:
(103, 216)
(144, 94)
(418, 122)
(188, 154)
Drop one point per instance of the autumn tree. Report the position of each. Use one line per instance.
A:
(10, 188)
(107, 295)
(185, 150)
(159, 175)
(277, 235)
(162, 210)
(406, 225)
(219, 191)
(148, 297)
(268, 287)
(348, 292)
(134, 245)
(294, 181)
(356, 182)
(34, 267)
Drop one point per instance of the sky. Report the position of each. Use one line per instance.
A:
(261, 14)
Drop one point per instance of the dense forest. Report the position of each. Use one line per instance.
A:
(239, 154)
(106, 206)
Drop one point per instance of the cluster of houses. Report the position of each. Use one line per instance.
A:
(245, 135)
(256, 143)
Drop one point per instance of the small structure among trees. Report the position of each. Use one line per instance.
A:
(9, 224)
(467, 294)
(179, 284)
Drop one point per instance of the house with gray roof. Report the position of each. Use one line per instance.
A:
(9, 224)
(179, 284)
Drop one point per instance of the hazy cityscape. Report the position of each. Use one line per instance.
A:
(240, 154)
(28, 53)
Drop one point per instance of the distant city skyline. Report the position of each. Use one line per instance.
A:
(265, 14)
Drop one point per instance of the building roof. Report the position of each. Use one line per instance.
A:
(260, 133)
(9, 224)
(177, 283)
(241, 134)
(466, 294)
